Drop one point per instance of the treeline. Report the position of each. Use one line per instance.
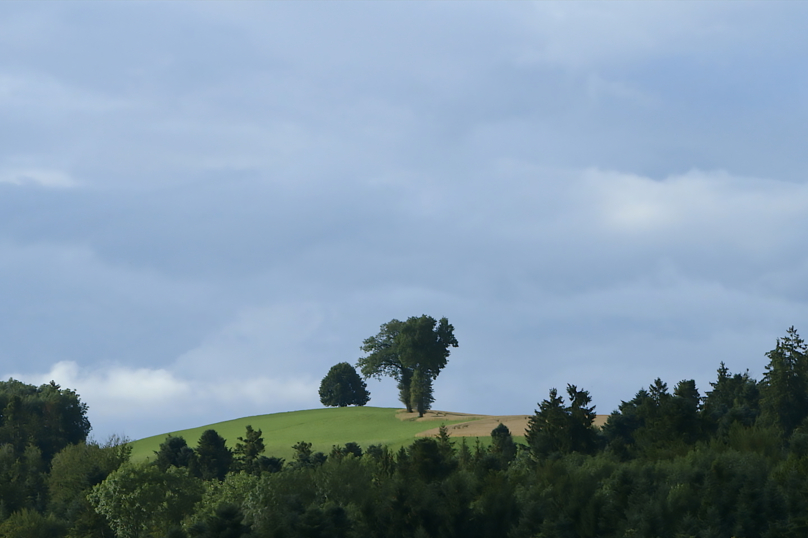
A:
(668, 463)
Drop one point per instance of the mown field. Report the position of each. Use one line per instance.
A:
(321, 427)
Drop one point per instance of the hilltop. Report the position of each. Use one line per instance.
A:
(337, 426)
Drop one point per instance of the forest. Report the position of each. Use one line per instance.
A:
(668, 463)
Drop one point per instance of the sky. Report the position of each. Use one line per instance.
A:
(206, 205)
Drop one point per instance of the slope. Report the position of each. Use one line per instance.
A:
(321, 427)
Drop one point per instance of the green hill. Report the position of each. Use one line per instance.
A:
(321, 427)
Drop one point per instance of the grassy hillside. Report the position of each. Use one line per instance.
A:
(321, 427)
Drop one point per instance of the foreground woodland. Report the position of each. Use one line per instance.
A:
(668, 463)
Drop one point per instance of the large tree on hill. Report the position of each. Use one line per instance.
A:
(405, 350)
(342, 387)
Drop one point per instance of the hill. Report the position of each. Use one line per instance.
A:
(334, 426)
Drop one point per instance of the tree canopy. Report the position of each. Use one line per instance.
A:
(405, 350)
(342, 387)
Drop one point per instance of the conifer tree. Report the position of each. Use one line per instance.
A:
(784, 391)
(213, 458)
(248, 449)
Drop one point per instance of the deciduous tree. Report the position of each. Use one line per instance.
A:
(342, 387)
(412, 351)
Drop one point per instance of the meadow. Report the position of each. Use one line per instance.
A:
(323, 428)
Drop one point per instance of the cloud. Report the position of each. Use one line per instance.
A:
(231, 197)
(596, 35)
(145, 401)
(116, 391)
(42, 177)
(747, 211)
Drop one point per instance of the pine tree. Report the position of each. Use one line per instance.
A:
(784, 392)
(213, 458)
(248, 449)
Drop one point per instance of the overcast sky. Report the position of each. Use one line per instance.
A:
(204, 206)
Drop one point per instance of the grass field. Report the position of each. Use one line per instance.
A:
(321, 427)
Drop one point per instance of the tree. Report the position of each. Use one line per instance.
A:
(559, 429)
(784, 391)
(248, 449)
(227, 522)
(141, 500)
(734, 398)
(413, 352)
(48, 416)
(502, 444)
(421, 395)
(173, 452)
(342, 387)
(213, 458)
(74, 471)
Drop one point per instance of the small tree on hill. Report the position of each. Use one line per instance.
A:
(248, 449)
(342, 387)
(213, 458)
(174, 452)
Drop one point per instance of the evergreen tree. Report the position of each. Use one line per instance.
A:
(784, 391)
(559, 429)
(173, 452)
(248, 449)
(734, 398)
(213, 458)
(502, 444)
(421, 392)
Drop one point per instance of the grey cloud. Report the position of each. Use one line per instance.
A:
(595, 194)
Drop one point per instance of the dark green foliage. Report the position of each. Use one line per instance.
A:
(655, 422)
(734, 398)
(31, 524)
(35, 424)
(48, 416)
(418, 348)
(421, 395)
(664, 466)
(305, 458)
(248, 450)
(502, 445)
(213, 458)
(558, 429)
(226, 523)
(342, 387)
(428, 460)
(784, 390)
(270, 465)
(74, 471)
(174, 452)
(141, 500)
(350, 449)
